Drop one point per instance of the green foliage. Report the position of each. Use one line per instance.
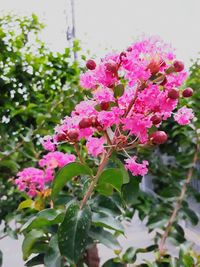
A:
(36, 85)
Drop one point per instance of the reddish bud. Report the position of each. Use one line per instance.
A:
(159, 137)
(156, 119)
(154, 67)
(61, 137)
(162, 63)
(173, 93)
(164, 82)
(188, 92)
(129, 49)
(104, 105)
(99, 128)
(85, 123)
(73, 134)
(122, 55)
(178, 66)
(112, 67)
(94, 121)
(90, 64)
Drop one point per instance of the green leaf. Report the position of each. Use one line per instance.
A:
(66, 173)
(28, 203)
(131, 190)
(130, 255)
(118, 90)
(126, 177)
(104, 237)
(107, 221)
(112, 263)
(9, 164)
(191, 215)
(37, 260)
(113, 177)
(29, 241)
(73, 232)
(44, 218)
(52, 257)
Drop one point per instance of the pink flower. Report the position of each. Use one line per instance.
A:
(95, 146)
(138, 125)
(30, 180)
(103, 95)
(136, 168)
(56, 159)
(109, 118)
(184, 115)
(48, 144)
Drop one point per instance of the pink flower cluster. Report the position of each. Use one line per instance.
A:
(136, 168)
(184, 115)
(32, 179)
(132, 93)
(148, 73)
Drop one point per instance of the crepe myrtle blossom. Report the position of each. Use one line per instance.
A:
(33, 180)
(95, 146)
(30, 180)
(136, 168)
(131, 93)
(48, 144)
(184, 115)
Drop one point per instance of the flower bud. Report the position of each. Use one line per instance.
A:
(122, 55)
(188, 92)
(129, 49)
(178, 66)
(94, 121)
(61, 137)
(173, 93)
(104, 105)
(73, 135)
(159, 137)
(90, 64)
(154, 67)
(156, 119)
(111, 67)
(85, 123)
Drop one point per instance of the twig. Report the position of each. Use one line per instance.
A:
(178, 204)
(96, 178)
(78, 153)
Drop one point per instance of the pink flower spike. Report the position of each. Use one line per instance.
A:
(136, 168)
(184, 115)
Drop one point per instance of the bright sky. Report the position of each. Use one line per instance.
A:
(115, 24)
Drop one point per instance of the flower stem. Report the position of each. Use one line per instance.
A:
(96, 178)
(78, 153)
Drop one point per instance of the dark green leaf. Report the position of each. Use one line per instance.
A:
(52, 257)
(29, 241)
(110, 177)
(104, 220)
(73, 232)
(37, 260)
(66, 174)
(112, 263)
(104, 237)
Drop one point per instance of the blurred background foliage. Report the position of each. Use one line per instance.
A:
(38, 87)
